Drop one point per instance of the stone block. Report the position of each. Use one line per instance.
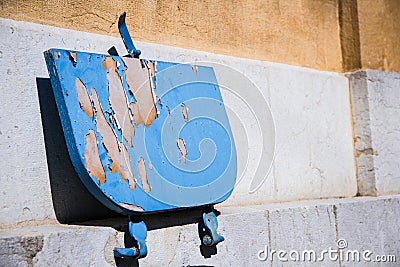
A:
(376, 115)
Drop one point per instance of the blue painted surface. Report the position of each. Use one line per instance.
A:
(138, 231)
(211, 222)
(209, 174)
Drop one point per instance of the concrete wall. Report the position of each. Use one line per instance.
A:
(304, 33)
(309, 132)
(379, 34)
(304, 115)
(329, 35)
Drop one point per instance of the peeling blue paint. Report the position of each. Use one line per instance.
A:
(209, 173)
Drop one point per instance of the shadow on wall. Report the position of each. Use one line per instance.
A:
(73, 203)
(71, 200)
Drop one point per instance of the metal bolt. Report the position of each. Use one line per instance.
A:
(207, 241)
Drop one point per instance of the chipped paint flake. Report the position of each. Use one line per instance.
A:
(130, 206)
(92, 158)
(182, 148)
(112, 120)
(57, 55)
(83, 97)
(194, 68)
(150, 165)
(185, 112)
(132, 183)
(138, 78)
(72, 57)
(116, 151)
(143, 175)
(152, 67)
(118, 100)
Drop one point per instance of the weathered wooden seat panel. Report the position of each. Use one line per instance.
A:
(144, 136)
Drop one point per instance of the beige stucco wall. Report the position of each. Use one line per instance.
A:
(304, 33)
(380, 34)
(329, 35)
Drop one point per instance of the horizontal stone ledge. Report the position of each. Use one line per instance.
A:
(364, 223)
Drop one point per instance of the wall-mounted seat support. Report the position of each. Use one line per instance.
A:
(138, 231)
(211, 223)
